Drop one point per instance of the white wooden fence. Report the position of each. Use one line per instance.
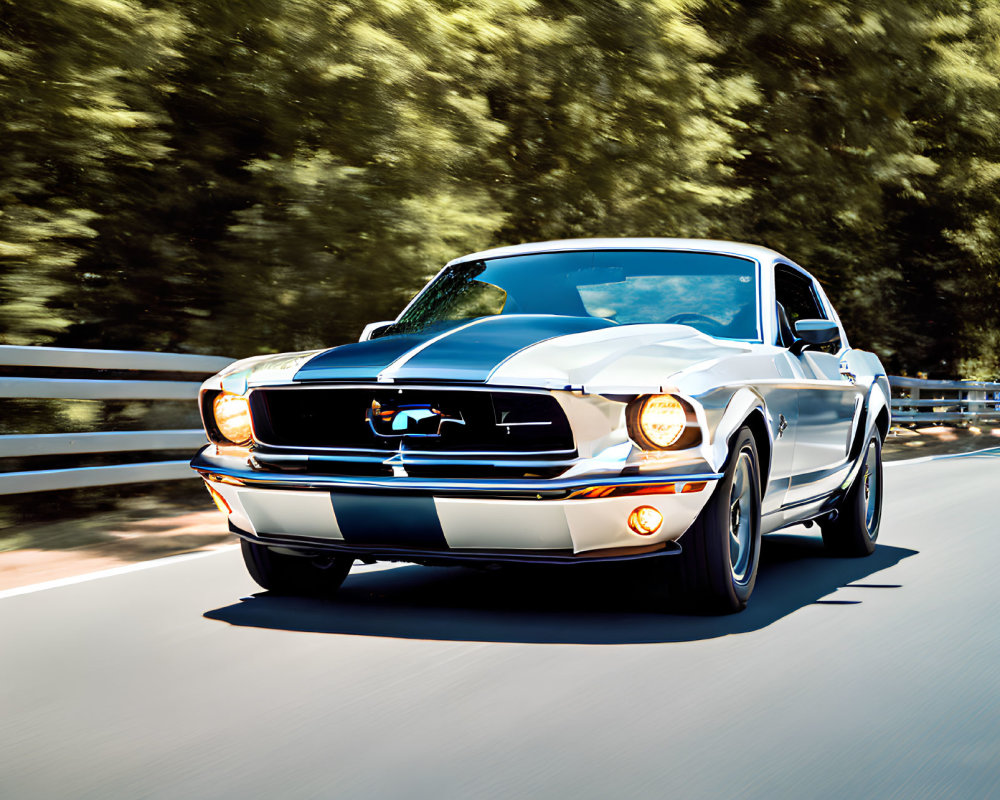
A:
(916, 400)
(95, 388)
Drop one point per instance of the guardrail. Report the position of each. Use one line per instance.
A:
(917, 400)
(90, 388)
(913, 400)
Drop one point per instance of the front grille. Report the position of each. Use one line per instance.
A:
(440, 420)
(346, 466)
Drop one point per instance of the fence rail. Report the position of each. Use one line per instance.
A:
(913, 400)
(60, 444)
(916, 400)
(74, 358)
(89, 389)
(97, 388)
(48, 480)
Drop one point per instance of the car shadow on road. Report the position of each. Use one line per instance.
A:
(583, 605)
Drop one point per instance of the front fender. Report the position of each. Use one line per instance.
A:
(742, 404)
(877, 399)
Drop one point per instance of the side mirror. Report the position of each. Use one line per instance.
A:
(373, 329)
(814, 331)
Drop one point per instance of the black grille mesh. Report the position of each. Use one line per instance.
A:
(338, 418)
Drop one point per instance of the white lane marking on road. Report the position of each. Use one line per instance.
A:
(157, 562)
(925, 459)
(110, 573)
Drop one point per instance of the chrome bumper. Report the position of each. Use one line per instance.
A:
(234, 471)
(397, 517)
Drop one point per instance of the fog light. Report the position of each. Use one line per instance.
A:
(645, 520)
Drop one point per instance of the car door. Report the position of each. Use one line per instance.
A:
(829, 402)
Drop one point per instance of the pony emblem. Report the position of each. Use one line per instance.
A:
(411, 419)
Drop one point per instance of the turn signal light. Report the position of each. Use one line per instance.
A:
(645, 520)
(220, 501)
(594, 492)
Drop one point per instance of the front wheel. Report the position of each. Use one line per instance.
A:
(855, 529)
(297, 575)
(718, 563)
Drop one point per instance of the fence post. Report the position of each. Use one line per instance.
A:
(979, 395)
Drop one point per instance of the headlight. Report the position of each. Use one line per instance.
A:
(232, 417)
(662, 421)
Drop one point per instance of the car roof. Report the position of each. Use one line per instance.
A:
(762, 254)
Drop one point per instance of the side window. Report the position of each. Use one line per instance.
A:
(795, 294)
(796, 300)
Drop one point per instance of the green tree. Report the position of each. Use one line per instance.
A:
(868, 118)
(963, 136)
(244, 177)
(361, 181)
(615, 122)
(85, 144)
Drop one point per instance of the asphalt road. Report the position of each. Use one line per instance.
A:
(875, 677)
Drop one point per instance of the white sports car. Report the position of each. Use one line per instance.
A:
(665, 400)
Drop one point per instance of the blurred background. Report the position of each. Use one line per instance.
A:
(246, 176)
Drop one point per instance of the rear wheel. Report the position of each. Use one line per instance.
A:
(299, 575)
(718, 564)
(854, 531)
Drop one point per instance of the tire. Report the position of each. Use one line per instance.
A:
(294, 575)
(718, 564)
(854, 532)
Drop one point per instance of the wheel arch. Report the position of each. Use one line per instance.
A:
(875, 416)
(878, 405)
(882, 422)
(757, 424)
(746, 408)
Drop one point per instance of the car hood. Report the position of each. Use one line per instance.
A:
(275, 368)
(630, 359)
(552, 352)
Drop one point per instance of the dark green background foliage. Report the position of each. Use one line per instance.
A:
(246, 176)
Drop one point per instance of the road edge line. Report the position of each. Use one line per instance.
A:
(113, 571)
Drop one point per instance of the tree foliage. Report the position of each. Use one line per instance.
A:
(204, 175)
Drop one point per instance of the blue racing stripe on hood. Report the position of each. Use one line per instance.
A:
(471, 353)
(468, 353)
(361, 361)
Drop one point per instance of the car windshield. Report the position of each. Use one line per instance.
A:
(714, 293)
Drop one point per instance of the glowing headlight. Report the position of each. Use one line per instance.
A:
(659, 421)
(232, 416)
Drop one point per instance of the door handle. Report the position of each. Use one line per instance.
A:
(846, 373)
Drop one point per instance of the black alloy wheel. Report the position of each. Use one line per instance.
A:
(717, 569)
(855, 530)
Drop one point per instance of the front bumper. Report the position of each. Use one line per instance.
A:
(501, 519)
(458, 557)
